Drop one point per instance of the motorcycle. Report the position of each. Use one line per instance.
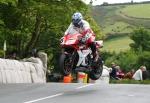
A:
(77, 57)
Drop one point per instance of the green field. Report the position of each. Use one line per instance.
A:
(138, 11)
(117, 44)
(118, 27)
(122, 18)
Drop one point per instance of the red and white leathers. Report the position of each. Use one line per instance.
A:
(87, 34)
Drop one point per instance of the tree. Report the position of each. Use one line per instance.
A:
(105, 4)
(29, 24)
(144, 59)
(141, 38)
(132, 1)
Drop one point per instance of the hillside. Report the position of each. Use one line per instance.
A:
(117, 44)
(122, 18)
(137, 11)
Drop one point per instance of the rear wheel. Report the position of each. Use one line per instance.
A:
(97, 70)
(65, 64)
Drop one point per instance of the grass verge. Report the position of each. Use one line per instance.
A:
(127, 81)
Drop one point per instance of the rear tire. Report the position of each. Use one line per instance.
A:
(97, 70)
(65, 65)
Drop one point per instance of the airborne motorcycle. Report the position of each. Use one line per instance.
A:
(78, 57)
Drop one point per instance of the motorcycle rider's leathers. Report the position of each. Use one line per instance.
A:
(86, 32)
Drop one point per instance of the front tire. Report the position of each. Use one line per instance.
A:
(65, 65)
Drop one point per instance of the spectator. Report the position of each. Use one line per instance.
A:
(145, 73)
(138, 74)
(113, 72)
(13, 55)
(34, 53)
(130, 74)
(119, 73)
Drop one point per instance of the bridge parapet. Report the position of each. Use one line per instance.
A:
(30, 70)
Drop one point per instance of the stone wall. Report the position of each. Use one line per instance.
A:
(30, 70)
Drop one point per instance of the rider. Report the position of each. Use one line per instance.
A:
(79, 25)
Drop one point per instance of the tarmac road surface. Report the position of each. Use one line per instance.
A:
(74, 93)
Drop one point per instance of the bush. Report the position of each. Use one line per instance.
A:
(126, 60)
(105, 55)
(144, 59)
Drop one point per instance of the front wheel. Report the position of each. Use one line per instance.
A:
(65, 65)
(97, 70)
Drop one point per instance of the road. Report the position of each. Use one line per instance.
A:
(74, 93)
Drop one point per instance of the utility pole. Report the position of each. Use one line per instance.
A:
(5, 48)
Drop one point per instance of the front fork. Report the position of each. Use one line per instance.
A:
(71, 56)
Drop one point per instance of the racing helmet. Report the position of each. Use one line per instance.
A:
(77, 19)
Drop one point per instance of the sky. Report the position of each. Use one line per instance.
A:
(98, 2)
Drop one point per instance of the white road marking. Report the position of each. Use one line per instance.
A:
(56, 95)
(131, 95)
(84, 86)
(48, 97)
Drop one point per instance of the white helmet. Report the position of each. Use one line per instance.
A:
(77, 19)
